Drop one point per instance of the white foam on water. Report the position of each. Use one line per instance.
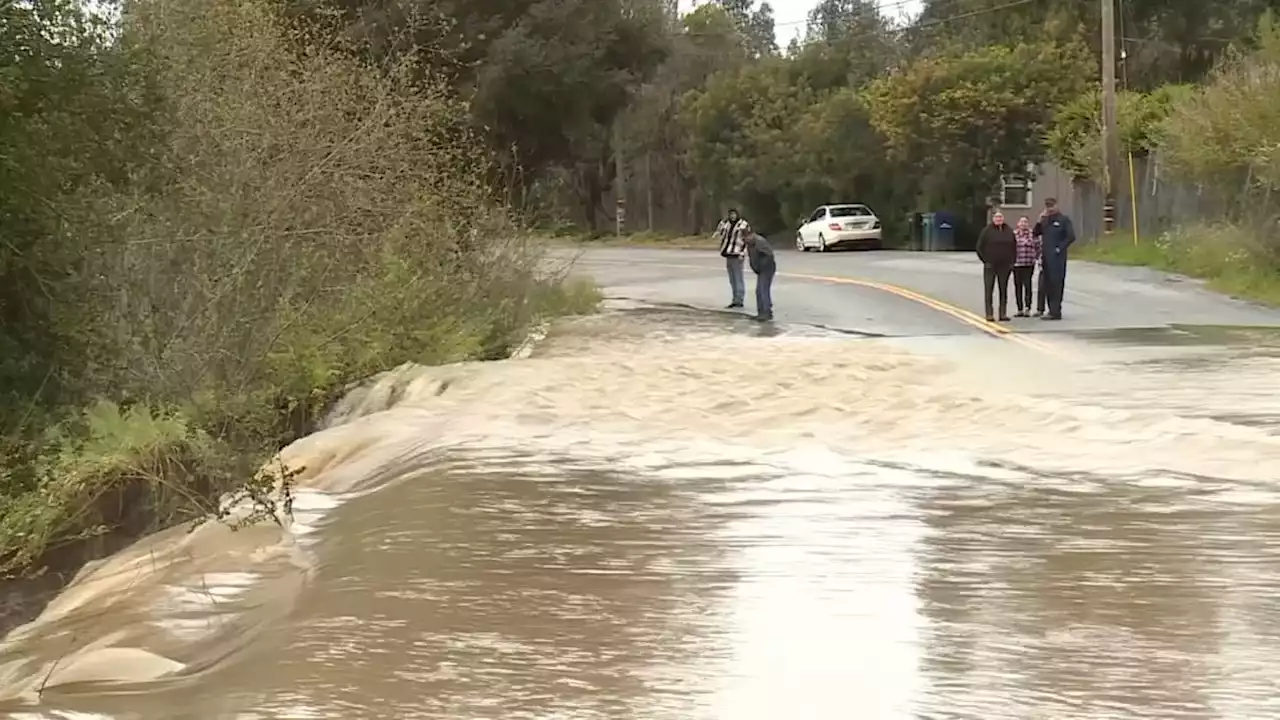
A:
(659, 408)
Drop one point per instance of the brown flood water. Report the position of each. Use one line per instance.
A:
(663, 516)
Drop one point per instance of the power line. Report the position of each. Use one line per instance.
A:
(882, 7)
(914, 26)
(975, 13)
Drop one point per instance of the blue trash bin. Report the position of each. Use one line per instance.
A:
(944, 232)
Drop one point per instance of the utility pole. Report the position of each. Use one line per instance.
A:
(1110, 135)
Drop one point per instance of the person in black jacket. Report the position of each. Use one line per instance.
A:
(1058, 234)
(764, 264)
(997, 249)
(1042, 285)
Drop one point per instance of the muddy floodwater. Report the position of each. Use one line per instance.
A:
(680, 516)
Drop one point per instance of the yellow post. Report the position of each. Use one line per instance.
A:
(1133, 200)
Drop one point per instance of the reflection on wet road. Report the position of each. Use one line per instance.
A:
(677, 515)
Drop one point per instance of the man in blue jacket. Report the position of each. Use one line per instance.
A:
(1057, 232)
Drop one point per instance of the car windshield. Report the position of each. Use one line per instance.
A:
(843, 211)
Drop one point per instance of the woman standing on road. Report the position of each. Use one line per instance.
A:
(997, 249)
(1024, 265)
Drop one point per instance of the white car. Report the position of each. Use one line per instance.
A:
(845, 225)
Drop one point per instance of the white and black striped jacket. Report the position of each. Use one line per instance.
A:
(731, 234)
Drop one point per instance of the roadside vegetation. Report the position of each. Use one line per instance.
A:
(1220, 137)
(644, 238)
(211, 223)
(1231, 261)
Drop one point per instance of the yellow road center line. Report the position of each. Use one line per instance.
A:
(964, 316)
(960, 314)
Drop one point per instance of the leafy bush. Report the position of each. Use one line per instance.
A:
(1075, 139)
(73, 115)
(278, 221)
(1228, 132)
(959, 120)
(106, 469)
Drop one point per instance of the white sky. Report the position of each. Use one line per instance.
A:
(791, 15)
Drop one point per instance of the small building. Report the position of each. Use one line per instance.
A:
(1024, 193)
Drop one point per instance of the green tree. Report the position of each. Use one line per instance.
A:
(951, 25)
(755, 25)
(962, 121)
(1180, 41)
(741, 129)
(847, 44)
(664, 187)
(1227, 133)
(1075, 139)
(72, 117)
(544, 78)
(1165, 41)
(840, 157)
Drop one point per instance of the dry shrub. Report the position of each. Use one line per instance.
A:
(310, 220)
(297, 221)
(1226, 136)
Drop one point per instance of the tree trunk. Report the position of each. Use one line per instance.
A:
(591, 192)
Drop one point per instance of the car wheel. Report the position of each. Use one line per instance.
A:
(800, 243)
(822, 244)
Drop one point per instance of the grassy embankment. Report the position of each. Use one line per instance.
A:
(211, 228)
(1231, 260)
(639, 239)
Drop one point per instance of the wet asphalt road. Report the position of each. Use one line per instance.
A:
(904, 294)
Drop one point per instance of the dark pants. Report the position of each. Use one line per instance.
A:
(764, 291)
(994, 276)
(1042, 291)
(1022, 277)
(1055, 282)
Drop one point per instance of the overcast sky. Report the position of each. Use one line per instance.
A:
(791, 15)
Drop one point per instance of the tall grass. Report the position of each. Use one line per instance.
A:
(1231, 257)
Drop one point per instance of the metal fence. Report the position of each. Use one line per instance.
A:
(1160, 204)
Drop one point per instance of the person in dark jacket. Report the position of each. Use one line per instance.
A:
(765, 266)
(1042, 285)
(1057, 234)
(997, 249)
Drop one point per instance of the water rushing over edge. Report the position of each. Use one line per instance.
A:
(825, 466)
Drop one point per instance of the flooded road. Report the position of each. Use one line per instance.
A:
(673, 514)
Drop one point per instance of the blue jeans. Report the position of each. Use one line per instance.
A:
(764, 291)
(737, 283)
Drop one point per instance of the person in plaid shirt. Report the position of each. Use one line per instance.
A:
(1024, 265)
